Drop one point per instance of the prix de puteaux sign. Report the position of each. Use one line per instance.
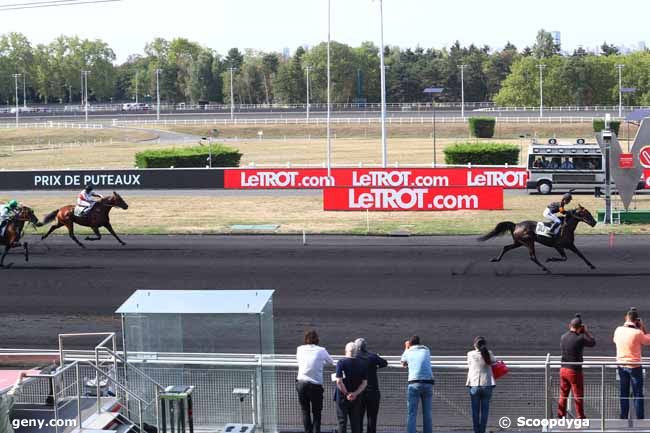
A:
(626, 178)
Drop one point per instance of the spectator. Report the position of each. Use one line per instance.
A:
(480, 382)
(351, 381)
(555, 163)
(311, 360)
(629, 340)
(7, 403)
(573, 344)
(420, 383)
(567, 164)
(538, 163)
(371, 394)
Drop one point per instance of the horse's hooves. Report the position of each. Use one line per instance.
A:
(494, 260)
(592, 267)
(123, 244)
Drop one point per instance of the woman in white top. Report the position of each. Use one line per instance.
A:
(480, 382)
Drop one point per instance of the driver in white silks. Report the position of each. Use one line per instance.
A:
(7, 403)
(557, 208)
(86, 199)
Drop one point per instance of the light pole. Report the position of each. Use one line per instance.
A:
(620, 89)
(232, 93)
(136, 87)
(384, 147)
(16, 79)
(85, 91)
(158, 94)
(329, 89)
(541, 89)
(308, 68)
(462, 90)
(70, 94)
(433, 91)
(25, 91)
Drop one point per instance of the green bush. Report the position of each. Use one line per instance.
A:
(482, 154)
(482, 127)
(599, 125)
(222, 156)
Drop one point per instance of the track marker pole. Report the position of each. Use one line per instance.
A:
(611, 239)
(304, 238)
(367, 222)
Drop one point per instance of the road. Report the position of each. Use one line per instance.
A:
(443, 288)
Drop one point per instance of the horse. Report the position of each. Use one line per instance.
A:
(14, 232)
(523, 234)
(96, 218)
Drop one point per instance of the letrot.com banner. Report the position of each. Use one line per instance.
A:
(509, 178)
(413, 199)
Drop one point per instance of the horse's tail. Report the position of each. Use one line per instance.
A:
(500, 229)
(48, 218)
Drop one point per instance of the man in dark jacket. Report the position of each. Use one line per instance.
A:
(572, 344)
(371, 394)
(351, 381)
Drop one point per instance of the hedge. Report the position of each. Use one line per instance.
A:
(482, 127)
(599, 125)
(482, 154)
(222, 156)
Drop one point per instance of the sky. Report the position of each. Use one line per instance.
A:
(273, 25)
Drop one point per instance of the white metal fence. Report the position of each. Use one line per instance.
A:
(530, 390)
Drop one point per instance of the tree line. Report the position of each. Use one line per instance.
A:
(192, 73)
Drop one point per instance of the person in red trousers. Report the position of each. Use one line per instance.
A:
(571, 377)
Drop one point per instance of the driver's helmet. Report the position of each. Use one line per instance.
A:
(13, 204)
(567, 197)
(89, 187)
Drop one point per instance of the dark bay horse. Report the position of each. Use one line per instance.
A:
(96, 218)
(523, 234)
(14, 232)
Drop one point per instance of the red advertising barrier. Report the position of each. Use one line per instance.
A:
(300, 178)
(413, 199)
(646, 176)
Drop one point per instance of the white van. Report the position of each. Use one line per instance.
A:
(555, 167)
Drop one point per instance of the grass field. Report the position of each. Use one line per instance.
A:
(210, 214)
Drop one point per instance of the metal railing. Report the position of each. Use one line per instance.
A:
(412, 120)
(531, 390)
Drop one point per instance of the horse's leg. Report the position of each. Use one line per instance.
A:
(505, 250)
(72, 236)
(26, 251)
(579, 254)
(97, 237)
(4, 254)
(533, 256)
(52, 228)
(109, 227)
(562, 258)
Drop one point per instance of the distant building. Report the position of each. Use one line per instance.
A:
(557, 39)
(286, 53)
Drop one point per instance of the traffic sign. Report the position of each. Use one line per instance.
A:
(644, 157)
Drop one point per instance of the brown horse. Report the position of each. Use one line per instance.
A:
(96, 218)
(523, 234)
(14, 232)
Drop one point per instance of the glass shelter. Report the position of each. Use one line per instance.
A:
(195, 329)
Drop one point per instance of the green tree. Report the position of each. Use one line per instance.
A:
(545, 46)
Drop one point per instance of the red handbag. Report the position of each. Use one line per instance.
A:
(499, 369)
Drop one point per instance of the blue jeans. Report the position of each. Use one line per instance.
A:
(635, 377)
(420, 392)
(480, 396)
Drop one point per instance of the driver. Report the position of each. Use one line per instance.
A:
(7, 212)
(557, 208)
(86, 199)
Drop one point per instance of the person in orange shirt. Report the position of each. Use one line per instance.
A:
(629, 340)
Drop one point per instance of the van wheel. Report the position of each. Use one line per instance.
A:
(544, 187)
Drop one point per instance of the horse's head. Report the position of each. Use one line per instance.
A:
(115, 200)
(26, 214)
(582, 214)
